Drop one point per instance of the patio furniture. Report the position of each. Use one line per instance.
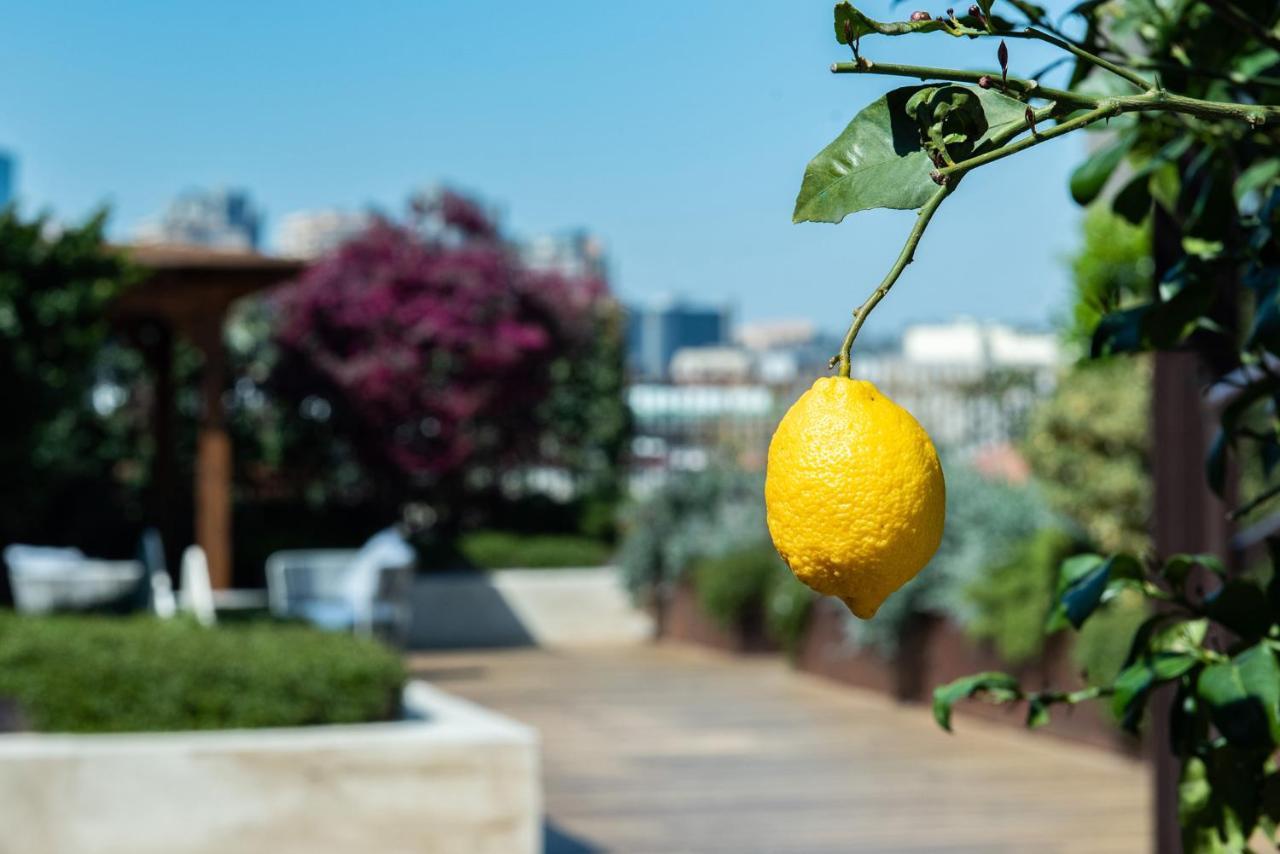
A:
(365, 590)
(160, 585)
(196, 592)
(45, 579)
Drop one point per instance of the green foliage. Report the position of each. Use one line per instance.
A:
(987, 522)
(1189, 94)
(490, 549)
(1110, 271)
(690, 516)
(883, 158)
(1012, 599)
(750, 582)
(66, 464)
(788, 606)
(731, 587)
(1089, 448)
(1102, 644)
(81, 674)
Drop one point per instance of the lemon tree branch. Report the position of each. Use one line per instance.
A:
(905, 257)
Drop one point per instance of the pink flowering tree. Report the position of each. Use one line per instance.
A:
(437, 349)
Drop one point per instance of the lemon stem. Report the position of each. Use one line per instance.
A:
(905, 257)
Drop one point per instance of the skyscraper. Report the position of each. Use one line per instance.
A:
(656, 332)
(7, 169)
(220, 219)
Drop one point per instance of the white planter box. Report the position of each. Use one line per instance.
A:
(461, 779)
(517, 607)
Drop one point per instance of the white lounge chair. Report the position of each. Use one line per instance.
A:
(365, 590)
(46, 578)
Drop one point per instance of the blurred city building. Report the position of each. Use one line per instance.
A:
(217, 219)
(307, 235)
(577, 253)
(971, 384)
(8, 170)
(656, 332)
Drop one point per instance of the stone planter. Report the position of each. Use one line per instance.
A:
(456, 777)
(525, 607)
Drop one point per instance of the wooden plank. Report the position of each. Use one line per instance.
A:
(663, 749)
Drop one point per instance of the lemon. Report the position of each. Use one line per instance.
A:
(854, 493)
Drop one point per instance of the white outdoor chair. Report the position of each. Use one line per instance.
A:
(365, 590)
(45, 579)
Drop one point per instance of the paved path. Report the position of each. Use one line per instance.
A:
(671, 749)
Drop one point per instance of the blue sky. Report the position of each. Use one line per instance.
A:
(678, 131)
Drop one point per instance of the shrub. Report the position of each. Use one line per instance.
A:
(94, 674)
(787, 608)
(692, 515)
(501, 549)
(1011, 601)
(733, 586)
(1089, 448)
(751, 581)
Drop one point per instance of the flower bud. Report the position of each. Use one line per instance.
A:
(984, 81)
(921, 16)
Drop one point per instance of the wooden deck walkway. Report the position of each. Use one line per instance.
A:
(670, 749)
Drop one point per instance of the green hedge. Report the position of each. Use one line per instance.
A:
(734, 586)
(489, 549)
(97, 674)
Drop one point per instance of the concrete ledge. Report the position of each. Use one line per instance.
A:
(456, 778)
(525, 607)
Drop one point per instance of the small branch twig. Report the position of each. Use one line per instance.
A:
(1025, 88)
(1254, 503)
(1105, 111)
(905, 257)
(1120, 71)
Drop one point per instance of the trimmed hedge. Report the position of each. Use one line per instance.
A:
(97, 674)
(489, 549)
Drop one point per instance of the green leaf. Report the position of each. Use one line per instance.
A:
(879, 160)
(1256, 177)
(986, 5)
(1241, 606)
(1084, 582)
(1130, 694)
(1177, 569)
(1133, 685)
(1091, 176)
(1265, 331)
(1037, 713)
(1120, 332)
(1133, 201)
(851, 24)
(999, 686)
(1244, 697)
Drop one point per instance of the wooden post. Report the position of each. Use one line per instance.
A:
(158, 348)
(1188, 518)
(213, 469)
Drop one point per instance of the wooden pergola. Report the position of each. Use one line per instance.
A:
(188, 293)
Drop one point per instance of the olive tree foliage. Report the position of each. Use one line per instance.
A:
(1188, 92)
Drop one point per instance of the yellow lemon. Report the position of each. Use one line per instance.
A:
(854, 493)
